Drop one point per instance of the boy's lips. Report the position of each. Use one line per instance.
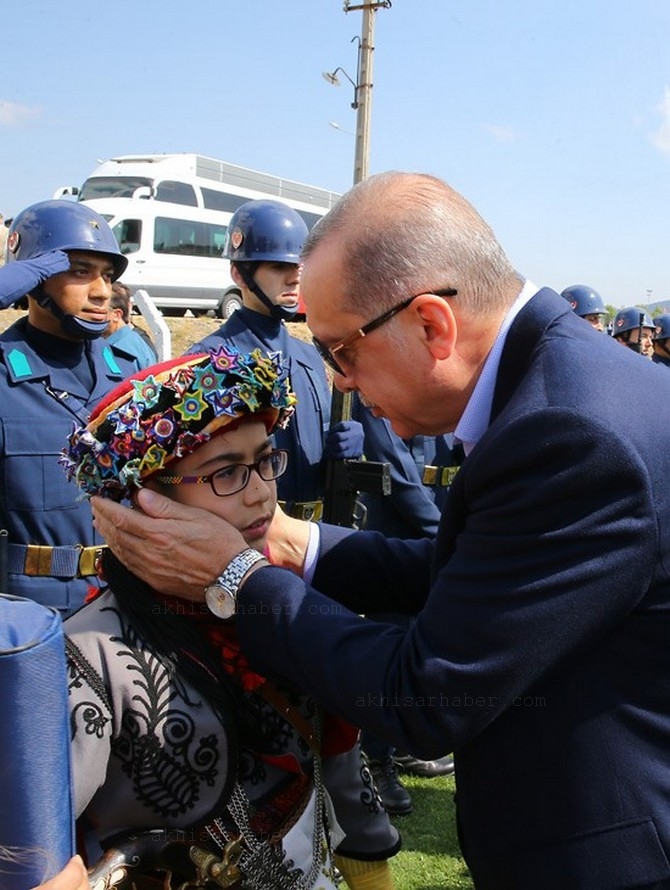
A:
(259, 527)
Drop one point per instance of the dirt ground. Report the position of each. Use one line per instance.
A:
(185, 331)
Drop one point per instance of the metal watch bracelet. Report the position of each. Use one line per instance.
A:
(221, 596)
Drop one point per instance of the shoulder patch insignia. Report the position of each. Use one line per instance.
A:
(19, 363)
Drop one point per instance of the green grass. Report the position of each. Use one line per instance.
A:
(430, 858)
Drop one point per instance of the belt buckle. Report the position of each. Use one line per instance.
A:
(89, 560)
(307, 511)
(312, 511)
(441, 477)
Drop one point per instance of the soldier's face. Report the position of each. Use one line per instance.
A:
(83, 290)
(595, 320)
(646, 342)
(279, 282)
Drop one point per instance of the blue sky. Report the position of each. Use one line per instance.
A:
(552, 117)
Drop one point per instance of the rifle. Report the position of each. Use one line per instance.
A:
(346, 478)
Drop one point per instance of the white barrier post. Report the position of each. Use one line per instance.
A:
(156, 323)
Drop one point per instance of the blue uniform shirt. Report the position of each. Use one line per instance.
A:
(47, 385)
(132, 342)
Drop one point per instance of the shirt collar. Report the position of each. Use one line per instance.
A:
(476, 417)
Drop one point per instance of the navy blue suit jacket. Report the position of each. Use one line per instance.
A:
(540, 653)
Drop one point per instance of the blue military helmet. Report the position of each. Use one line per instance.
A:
(62, 225)
(629, 319)
(265, 231)
(662, 323)
(584, 300)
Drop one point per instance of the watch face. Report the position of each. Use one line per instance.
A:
(219, 601)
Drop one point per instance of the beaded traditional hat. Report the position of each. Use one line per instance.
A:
(167, 411)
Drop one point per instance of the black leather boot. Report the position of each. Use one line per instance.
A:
(414, 766)
(394, 795)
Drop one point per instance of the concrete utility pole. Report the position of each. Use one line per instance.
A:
(340, 505)
(341, 403)
(363, 87)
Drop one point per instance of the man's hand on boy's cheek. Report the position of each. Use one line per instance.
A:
(176, 549)
(287, 541)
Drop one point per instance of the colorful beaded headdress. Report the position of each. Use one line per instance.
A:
(170, 409)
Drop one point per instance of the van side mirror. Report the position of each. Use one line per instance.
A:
(66, 190)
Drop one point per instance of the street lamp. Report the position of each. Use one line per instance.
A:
(331, 77)
(336, 126)
(363, 83)
(362, 95)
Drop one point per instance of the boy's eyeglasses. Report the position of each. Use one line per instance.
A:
(235, 477)
(327, 353)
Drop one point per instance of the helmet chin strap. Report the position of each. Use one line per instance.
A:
(72, 325)
(281, 313)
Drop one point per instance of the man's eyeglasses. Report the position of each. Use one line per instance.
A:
(235, 477)
(328, 353)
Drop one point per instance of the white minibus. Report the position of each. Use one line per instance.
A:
(170, 213)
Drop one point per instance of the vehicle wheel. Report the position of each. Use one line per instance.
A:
(230, 303)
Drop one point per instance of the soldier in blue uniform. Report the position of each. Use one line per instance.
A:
(53, 370)
(661, 340)
(587, 304)
(422, 469)
(632, 327)
(123, 333)
(263, 245)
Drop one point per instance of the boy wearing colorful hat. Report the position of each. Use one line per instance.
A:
(171, 728)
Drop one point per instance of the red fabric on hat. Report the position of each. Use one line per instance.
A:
(126, 385)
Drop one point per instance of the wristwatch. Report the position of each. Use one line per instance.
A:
(221, 596)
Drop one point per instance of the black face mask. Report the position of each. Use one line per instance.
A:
(72, 325)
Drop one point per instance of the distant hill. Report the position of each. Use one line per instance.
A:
(659, 306)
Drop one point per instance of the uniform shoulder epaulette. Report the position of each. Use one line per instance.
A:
(110, 359)
(18, 362)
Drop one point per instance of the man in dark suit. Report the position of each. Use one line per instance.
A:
(539, 653)
(421, 469)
